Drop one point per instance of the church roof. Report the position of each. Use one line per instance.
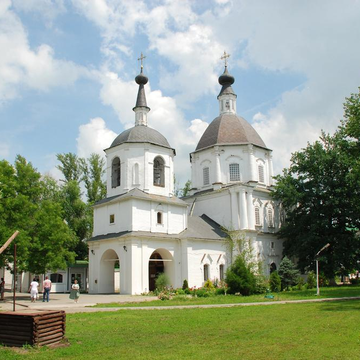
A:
(139, 194)
(199, 227)
(229, 129)
(141, 134)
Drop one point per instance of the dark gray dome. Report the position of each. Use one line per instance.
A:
(229, 129)
(141, 134)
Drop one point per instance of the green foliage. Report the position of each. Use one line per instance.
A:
(31, 205)
(288, 273)
(240, 279)
(185, 285)
(275, 282)
(93, 172)
(79, 214)
(162, 282)
(209, 285)
(311, 280)
(320, 195)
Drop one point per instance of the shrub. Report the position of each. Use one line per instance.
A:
(185, 285)
(203, 293)
(311, 280)
(288, 273)
(180, 292)
(300, 283)
(355, 281)
(209, 285)
(164, 296)
(220, 291)
(162, 282)
(240, 279)
(275, 282)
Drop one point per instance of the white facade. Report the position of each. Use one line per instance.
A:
(141, 229)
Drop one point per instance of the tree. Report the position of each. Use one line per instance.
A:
(287, 273)
(93, 171)
(70, 166)
(320, 194)
(26, 205)
(240, 279)
(275, 282)
(78, 213)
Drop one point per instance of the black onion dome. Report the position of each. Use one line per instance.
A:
(229, 129)
(141, 134)
(141, 79)
(226, 78)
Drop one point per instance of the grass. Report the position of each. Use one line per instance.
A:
(326, 292)
(282, 332)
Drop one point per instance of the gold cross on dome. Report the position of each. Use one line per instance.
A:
(141, 58)
(224, 57)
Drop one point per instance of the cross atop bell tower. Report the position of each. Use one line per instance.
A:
(224, 57)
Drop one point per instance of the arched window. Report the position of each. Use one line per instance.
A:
(257, 216)
(221, 272)
(206, 176)
(115, 173)
(270, 218)
(206, 272)
(261, 173)
(159, 217)
(159, 178)
(234, 171)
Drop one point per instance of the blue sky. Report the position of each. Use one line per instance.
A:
(67, 71)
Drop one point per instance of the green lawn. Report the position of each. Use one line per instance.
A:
(326, 292)
(282, 332)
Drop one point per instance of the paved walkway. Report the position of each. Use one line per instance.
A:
(62, 302)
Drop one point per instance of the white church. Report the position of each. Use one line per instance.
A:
(141, 229)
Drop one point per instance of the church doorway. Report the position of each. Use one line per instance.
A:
(272, 267)
(109, 279)
(160, 261)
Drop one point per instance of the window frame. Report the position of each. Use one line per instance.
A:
(236, 167)
(206, 175)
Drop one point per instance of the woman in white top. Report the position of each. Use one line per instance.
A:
(33, 289)
(75, 291)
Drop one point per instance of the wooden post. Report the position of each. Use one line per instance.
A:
(14, 278)
(8, 242)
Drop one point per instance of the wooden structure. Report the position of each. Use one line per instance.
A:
(32, 328)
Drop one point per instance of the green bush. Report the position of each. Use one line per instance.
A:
(240, 279)
(209, 285)
(311, 280)
(275, 282)
(288, 273)
(203, 293)
(220, 291)
(185, 285)
(180, 292)
(300, 283)
(162, 282)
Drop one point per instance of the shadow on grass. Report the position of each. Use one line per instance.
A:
(345, 305)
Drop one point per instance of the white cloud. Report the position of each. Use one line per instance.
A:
(20, 65)
(94, 137)
(48, 9)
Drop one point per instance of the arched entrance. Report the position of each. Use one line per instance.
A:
(109, 279)
(160, 261)
(272, 267)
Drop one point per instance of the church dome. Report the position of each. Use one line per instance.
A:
(229, 129)
(141, 134)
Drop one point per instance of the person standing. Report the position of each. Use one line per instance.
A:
(75, 291)
(34, 290)
(2, 288)
(47, 288)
